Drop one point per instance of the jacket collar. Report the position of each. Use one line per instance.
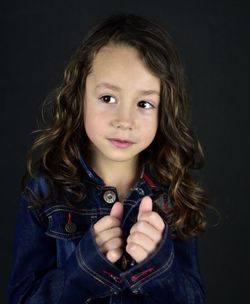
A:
(94, 178)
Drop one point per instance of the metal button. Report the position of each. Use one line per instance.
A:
(109, 197)
(70, 227)
(141, 191)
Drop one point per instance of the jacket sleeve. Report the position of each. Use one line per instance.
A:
(36, 277)
(170, 275)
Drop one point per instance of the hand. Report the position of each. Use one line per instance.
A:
(108, 233)
(146, 233)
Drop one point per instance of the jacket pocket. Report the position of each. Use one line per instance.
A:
(68, 224)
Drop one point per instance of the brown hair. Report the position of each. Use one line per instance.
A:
(175, 149)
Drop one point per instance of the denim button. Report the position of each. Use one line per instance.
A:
(109, 196)
(70, 227)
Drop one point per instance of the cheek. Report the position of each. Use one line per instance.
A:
(152, 125)
(94, 124)
(150, 135)
(150, 128)
(91, 126)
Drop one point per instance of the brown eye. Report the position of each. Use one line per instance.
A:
(145, 104)
(108, 99)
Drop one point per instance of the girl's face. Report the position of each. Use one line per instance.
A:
(120, 105)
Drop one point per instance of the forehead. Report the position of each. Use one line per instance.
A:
(122, 64)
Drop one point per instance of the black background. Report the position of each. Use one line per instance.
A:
(37, 40)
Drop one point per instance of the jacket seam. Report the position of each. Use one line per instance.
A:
(158, 272)
(84, 267)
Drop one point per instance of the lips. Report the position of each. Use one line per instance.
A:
(121, 143)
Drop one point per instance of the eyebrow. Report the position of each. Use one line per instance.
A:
(118, 89)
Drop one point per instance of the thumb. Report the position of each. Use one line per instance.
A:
(117, 210)
(146, 205)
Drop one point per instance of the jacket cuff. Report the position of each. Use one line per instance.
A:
(157, 263)
(95, 272)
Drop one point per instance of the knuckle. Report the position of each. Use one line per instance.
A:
(107, 246)
(119, 231)
(113, 244)
(96, 227)
(130, 239)
(154, 216)
(141, 226)
(133, 228)
(152, 247)
(118, 242)
(162, 226)
(131, 248)
(135, 236)
(109, 220)
(95, 230)
(114, 219)
(158, 238)
(98, 241)
(113, 222)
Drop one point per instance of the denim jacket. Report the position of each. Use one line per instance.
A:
(56, 259)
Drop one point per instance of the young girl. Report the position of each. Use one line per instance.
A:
(111, 212)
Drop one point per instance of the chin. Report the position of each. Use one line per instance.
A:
(121, 158)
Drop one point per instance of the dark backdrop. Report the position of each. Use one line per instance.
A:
(37, 40)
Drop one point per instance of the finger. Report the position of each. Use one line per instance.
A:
(105, 223)
(107, 235)
(142, 240)
(154, 219)
(146, 205)
(117, 210)
(110, 221)
(113, 244)
(146, 228)
(136, 252)
(114, 255)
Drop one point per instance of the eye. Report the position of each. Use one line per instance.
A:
(145, 105)
(108, 99)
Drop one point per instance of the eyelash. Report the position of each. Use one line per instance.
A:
(141, 103)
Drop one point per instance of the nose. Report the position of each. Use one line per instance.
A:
(124, 118)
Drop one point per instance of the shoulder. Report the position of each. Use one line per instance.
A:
(39, 185)
(37, 189)
(35, 198)
(39, 194)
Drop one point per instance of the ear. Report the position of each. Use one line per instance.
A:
(146, 205)
(117, 210)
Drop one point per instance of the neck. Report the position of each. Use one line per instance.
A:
(121, 175)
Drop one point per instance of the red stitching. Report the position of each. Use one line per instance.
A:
(149, 181)
(137, 276)
(69, 218)
(115, 278)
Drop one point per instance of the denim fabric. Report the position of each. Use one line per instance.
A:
(53, 264)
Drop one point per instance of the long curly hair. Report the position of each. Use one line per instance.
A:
(175, 150)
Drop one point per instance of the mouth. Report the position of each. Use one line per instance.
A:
(121, 143)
